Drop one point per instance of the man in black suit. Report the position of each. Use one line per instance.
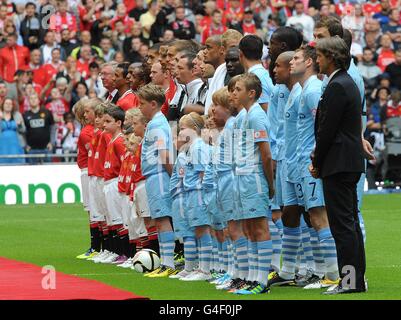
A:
(338, 160)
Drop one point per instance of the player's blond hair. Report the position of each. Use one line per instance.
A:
(78, 110)
(230, 35)
(221, 98)
(100, 109)
(137, 114)
(92, 102)
(194, 121)
(232, 82)
(151, 92)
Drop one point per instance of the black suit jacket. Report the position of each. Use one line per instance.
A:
(115, 98)
(338, 128)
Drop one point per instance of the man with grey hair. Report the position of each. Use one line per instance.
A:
(106, 75)
(339, 161)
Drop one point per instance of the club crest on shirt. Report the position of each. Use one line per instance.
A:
(42, 115)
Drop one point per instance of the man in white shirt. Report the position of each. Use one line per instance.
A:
(187, 77)
(300, 18)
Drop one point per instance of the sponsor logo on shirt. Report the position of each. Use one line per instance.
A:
(37, 123)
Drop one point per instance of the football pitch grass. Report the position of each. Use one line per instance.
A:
(56, 234)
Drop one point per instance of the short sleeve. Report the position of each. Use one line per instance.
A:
(158, 137)
(258, 123)
(312, 102)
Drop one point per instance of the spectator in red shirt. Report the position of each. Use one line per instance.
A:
(215, 28)
(371, 7)
(234, 14)
(57, 105)
(63, 19)
(248, 24)
(386, 52)
(49, 70)
(392, 110)
(84, 60)
(210, 7)
(89, 12)
(12, 58)
(121, 15)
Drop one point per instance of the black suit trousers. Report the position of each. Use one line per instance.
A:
(340, 194)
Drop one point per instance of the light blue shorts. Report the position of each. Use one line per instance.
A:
(217, 219)
(237, 214)
(157, 189)
(225, 194)
(293, 194)
(253, 196)
(312, 192)
(196, 208)
(278, 200)
(180, 219)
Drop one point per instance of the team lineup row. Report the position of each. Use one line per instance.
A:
(223, 194)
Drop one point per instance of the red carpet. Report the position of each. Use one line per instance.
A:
(23, 281)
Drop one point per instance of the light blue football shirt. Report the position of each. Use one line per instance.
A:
(309, 101)
(196, 161)
(157, 137)
(280, 135)
(267, 83)
(177, 176)
(209, 179)
(272, 115)
(223, 156)
(254, 129)
(291, 132)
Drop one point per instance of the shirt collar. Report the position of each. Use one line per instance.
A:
(255, 67)
(192, 85)
(333, 74)
(309, 80)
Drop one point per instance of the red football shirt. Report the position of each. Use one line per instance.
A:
(92, 150)
(84, 141)
(100, 154)
(114, 156)
(124, 172)
(136, 171)
(128, 101)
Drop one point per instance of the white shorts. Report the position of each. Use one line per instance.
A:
(141, 206)
(85, 188)
(113, 202)
(97, 201)
(136, 227)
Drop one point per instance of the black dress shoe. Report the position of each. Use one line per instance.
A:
(341, 290)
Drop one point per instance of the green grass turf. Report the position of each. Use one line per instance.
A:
(55, 234)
